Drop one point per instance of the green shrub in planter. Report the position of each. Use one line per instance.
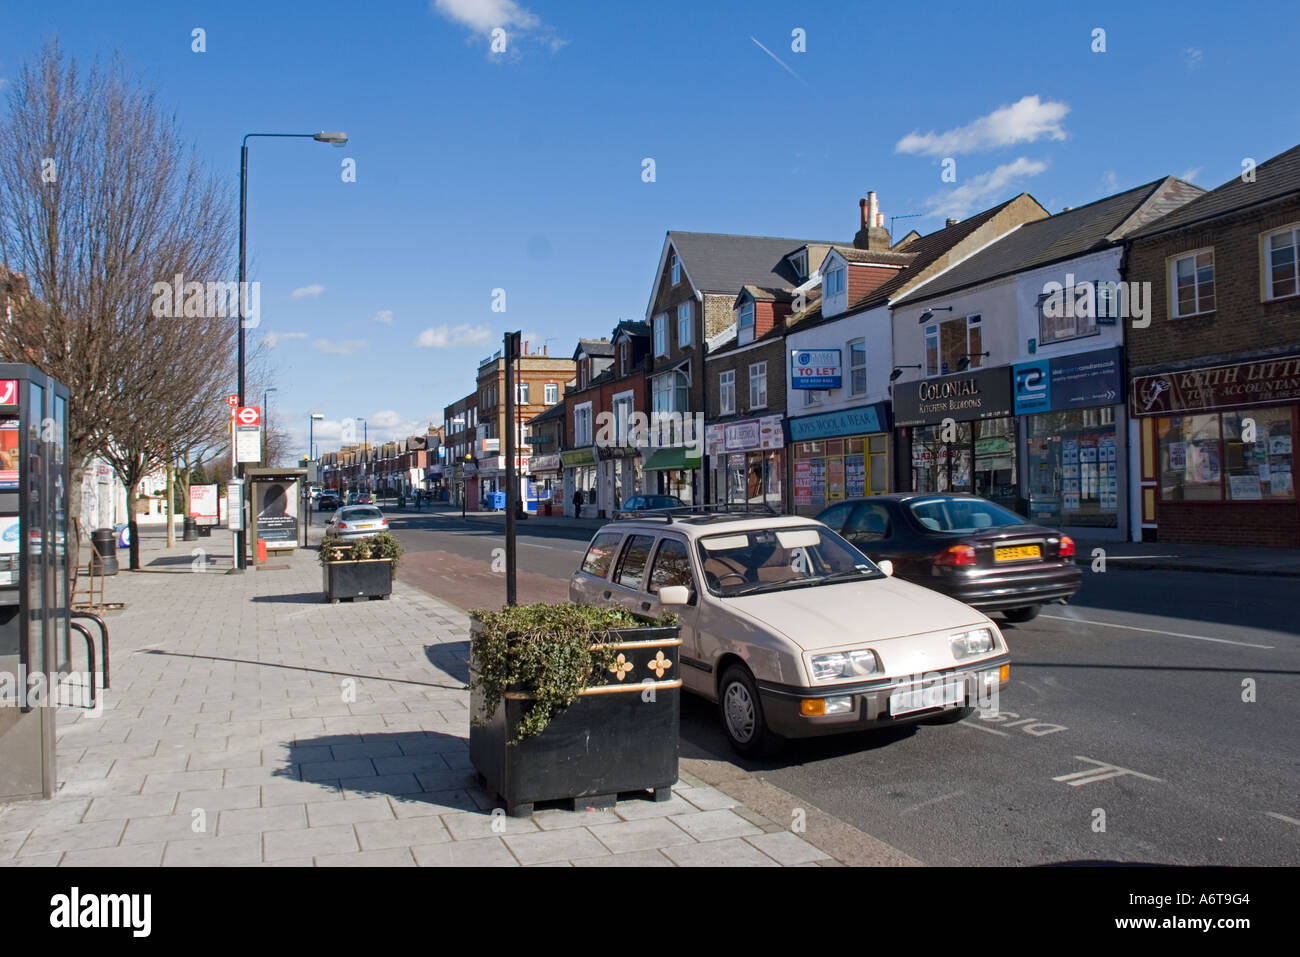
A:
(359, 567)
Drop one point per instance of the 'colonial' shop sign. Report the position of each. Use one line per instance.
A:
(978, 394)
(1265, 382)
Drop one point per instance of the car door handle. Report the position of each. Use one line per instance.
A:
(606, 594)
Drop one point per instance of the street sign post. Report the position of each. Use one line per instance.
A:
(248, 434)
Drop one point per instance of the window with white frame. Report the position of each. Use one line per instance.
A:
(677, 269)
(745, 323)
(552, 393)
(814, 396)
(833, 283)
(622, 358)
(1282, 263)
(582, 425)
(622, 415)
(684, 334)
(1059, 320)
(661, 334)
(858, 367)
(946, 343)
(522, 398)
(758, 385)
(1191, 283)
(727, 392)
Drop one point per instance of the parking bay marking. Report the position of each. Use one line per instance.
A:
(1156, 631)
(1101, 772)
(1282, 817)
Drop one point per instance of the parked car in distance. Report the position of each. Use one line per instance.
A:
(638, 503)
(792, 631)
(963, 546)
(328, 500)
(357, 521)
(365, 499)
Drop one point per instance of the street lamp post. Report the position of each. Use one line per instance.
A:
(266, 423)
(311, 421)
(338, 139)
(365, 454)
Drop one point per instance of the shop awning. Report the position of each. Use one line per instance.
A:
(672, 459)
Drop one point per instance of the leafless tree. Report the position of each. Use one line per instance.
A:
(99, 201)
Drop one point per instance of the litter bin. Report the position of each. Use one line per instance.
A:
(497, 501)
(104, 541)
(190, 528)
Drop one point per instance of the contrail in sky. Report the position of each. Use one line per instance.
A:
(778, 60)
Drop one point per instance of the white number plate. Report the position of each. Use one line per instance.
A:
(950, 693)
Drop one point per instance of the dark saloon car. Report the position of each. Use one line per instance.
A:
(963, 546)
(328, 501)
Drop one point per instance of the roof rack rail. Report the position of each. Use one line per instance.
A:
(686, 511)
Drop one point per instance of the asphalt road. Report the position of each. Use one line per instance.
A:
(1125, 735)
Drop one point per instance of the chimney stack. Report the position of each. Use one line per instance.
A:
(873, 235)
(951, 222)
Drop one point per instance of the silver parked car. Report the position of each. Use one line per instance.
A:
(792, 630)
(357, 521)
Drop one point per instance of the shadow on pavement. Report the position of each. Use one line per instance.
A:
(300, 598)
(452, 658)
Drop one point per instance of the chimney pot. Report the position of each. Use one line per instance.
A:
(872, 208)
(880, 219)
(862, 210)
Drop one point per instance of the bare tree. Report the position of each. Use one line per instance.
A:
(99, 202)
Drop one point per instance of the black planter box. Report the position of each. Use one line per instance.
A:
(372, 578)
(612, 740)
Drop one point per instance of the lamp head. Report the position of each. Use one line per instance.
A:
(336, 138)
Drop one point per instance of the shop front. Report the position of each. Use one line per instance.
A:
(838, 455)
(957, 433)
(580, 476)
(1217, 446)
(548, 481)
(1071, 417)
(748, 461)
(673, 471)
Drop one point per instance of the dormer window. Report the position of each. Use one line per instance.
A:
(800, 264)
(677, 269)
(622, 358)
(745, 323)
(833, 283)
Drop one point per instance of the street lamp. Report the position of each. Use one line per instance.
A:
(311, 421)
(266, 423)
(335, 138)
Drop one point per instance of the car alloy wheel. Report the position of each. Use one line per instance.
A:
(738, 707)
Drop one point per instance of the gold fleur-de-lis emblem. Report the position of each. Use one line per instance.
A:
(659, 665)
(621, 667)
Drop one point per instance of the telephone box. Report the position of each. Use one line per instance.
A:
(35, 634)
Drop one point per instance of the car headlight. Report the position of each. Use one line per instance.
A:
(845, 664)
(978, 641)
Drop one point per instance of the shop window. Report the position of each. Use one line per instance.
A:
(947, 343)
(1257, 454)
(1071, 471)
(1190, 459)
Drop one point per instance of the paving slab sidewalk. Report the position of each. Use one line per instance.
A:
(251, 723)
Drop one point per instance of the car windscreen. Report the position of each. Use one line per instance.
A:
(361, 514)
(774, 559)
(662, 501)
(961, 514)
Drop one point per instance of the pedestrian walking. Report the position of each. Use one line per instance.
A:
(577, 503)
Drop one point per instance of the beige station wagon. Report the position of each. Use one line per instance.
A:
(791, 629)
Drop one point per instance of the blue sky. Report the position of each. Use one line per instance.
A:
(523, 171)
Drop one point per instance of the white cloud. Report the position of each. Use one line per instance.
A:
(307, 292)
(975, 193)
(1025, 121)
(1110, 181)
(438, 337)
(344, 347)
(1192, 57)
(484, 16)
(273, 339)
(385, 316)
(1191, 174)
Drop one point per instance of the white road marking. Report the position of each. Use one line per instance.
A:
(1101, 772)
(1283, 817)
(1156, 631)
(971, 724)
(944, 797)
(531, 545)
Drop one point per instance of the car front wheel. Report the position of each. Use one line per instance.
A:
(742, 714)
(1020, 615)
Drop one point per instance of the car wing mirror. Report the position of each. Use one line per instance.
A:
(886, 566)
(674, 595)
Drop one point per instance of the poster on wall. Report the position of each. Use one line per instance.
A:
(818, 467)
(1244, 487)
(1177, 456)
(203, 504)
(8, 453)
(855, 476)
(277, 513)
(802, 482)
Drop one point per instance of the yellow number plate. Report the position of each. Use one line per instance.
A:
(1017, 553)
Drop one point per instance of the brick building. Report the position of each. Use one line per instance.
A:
(1215, 377)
